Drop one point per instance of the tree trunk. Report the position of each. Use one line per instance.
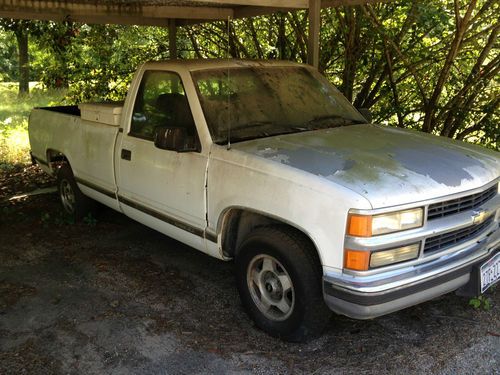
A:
(24, 68)
(172, 40)
(281, 37)
(351, 52)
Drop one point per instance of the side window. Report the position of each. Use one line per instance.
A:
(160, 101)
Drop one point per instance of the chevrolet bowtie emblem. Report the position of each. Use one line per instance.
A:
(479, 217)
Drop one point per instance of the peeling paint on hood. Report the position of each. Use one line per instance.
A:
(388, 166)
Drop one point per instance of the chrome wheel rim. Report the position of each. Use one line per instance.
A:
(67, 196)
(271, 287)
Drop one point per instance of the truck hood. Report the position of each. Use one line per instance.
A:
(387, 166)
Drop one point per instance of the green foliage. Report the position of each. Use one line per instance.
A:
(104, 58)
(45, 219)
(14, 112)
(90, 220)
(480, 302)
(62, 219)
(59, 219)
(8, 59)
(408, 61)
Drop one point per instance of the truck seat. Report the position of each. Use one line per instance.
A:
(176, 109)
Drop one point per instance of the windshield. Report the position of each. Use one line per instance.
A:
(254, 102)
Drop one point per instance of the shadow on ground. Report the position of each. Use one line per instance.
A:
(112, 296)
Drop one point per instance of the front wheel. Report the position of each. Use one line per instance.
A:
(279, 281)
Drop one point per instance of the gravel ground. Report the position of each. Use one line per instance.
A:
(110, 296)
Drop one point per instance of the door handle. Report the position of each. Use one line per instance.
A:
(126, 154)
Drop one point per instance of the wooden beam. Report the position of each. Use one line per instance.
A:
(117, 20)
(255, 10)
(186, 12)
(135, 13)
(251, 11)
(337, 3)
(112, 13)
(313, 35)
(295, 4)
(292, 4)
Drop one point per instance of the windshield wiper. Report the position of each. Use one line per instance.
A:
(241, 139)
(252, 124)
(241, 133)
(329, 120)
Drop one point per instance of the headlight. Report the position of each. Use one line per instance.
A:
(364, 260)
(373, 225)
(401, 254)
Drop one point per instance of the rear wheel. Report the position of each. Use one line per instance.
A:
(279, 281)
(72, 199)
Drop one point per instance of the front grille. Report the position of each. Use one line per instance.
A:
(454, 206)
(456, 237)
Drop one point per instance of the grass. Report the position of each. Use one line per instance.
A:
(14, 113)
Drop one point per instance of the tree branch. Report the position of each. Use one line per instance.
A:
(461, 27)
(373, 19)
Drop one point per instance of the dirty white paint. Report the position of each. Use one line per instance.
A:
(386, 166)
(309, 179)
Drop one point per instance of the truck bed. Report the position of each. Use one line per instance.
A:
(66, 109)
(88, 145)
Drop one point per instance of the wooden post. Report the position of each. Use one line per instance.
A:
(313, 35)
(172, 39)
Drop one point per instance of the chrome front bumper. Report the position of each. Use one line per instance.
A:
(371, 294)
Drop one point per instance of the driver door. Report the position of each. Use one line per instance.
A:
(160, 188)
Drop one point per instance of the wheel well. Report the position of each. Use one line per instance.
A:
(55, 159)
(238, 223)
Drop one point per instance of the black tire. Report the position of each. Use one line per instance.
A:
(291, 256)
(73, 201)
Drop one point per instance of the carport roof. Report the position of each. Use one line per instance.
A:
(154, 12)
(170, 13)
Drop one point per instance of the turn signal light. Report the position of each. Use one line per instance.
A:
(359, 225)
(357, 260)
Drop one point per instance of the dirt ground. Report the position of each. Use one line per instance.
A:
(110, 296)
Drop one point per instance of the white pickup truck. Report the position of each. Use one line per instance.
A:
(266, 163)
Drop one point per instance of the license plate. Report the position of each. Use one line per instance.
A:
(490, 272)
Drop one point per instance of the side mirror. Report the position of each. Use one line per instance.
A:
(366, 113)
(171, 138)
